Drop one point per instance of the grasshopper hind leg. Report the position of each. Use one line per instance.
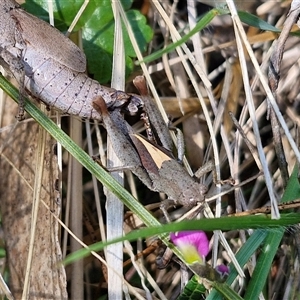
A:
(16, 68)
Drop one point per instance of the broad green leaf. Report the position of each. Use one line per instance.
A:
(97, 28)
(193, 290)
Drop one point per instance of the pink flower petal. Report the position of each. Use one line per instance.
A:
(196, 238)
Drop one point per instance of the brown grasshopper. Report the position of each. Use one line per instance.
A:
(50, 66)
(153, 164)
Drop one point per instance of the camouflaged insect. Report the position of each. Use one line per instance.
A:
(50, 66)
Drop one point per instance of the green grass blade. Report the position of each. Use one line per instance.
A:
(266, 239)
(226, 291)
(243, 255)
(202, 23)
(224, 223)
(245, 17)
(227, 223)
(107, 180)
(254, 21)
(271, 244)
(263, 264)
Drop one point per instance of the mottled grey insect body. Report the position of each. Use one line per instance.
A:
(160, 172)
(50, 66)
(48, 41)
(59, 86)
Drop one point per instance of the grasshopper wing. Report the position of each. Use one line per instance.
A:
(49, 41)
(152, 153)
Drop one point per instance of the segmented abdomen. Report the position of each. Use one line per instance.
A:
(58, 86)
